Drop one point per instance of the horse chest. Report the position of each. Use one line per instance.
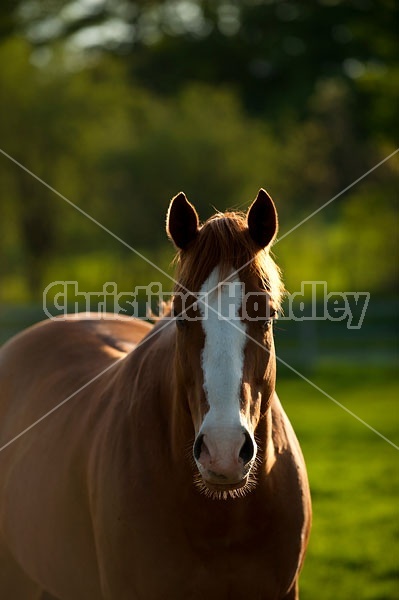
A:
(187, 575)
(186, 555)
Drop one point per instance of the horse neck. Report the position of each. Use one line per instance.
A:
(147, 384)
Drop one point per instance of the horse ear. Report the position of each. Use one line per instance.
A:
(182, 221)
(262, 219)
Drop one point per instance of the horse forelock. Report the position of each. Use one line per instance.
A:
(224, 242)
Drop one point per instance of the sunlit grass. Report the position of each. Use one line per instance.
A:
(354, 547)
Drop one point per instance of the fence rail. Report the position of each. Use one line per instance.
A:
(300, 343)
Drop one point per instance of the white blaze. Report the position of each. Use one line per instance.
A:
(223, 353)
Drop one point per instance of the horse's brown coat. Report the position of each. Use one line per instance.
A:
(97, 501)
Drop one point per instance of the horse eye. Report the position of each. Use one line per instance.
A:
(266, 324)
(180, 322)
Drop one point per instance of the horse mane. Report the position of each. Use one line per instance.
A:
(224, 240)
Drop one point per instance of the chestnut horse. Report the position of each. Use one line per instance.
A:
(170, 470)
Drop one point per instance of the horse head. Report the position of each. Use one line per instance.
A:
(227, 295)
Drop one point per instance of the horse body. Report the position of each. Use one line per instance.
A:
(98, 500)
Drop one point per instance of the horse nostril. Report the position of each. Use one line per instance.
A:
(198, 446)
(247, 449)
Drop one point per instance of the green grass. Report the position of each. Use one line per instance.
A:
(354, 547)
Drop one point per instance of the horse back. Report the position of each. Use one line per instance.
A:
(51, 401)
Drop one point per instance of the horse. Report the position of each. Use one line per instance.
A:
(161, 464)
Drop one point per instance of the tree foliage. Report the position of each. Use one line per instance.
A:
(216, 98)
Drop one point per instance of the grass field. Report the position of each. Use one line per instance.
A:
(354, 477)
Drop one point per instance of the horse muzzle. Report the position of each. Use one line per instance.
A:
(224, 457)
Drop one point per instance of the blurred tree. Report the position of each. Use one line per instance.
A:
(328, 62)
(46, 118)
(356, 250)
(120, 105)
(273, 52)
(24, 118)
